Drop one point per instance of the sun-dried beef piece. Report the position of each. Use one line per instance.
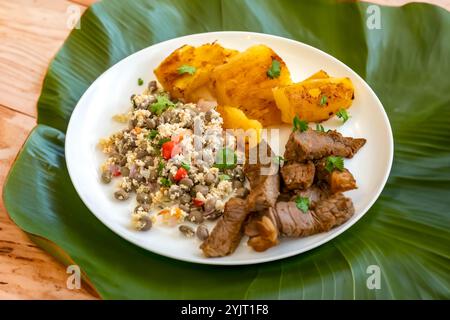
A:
(228, 231)
(314, 145)
(298, 175)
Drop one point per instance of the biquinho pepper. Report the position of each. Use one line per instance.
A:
(167, 149)
(115, 171)
(181, 173)
(197, 202)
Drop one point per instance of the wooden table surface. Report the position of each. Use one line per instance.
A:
(31, 32)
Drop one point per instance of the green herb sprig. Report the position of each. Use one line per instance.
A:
(320, 128)
(187, 69)
(343, 114)
(333, 163)
(152, 134)
(223, 177)
(302, 204)
(186, 166)
(299, 125)
(225, 159)
(274, 70)
(165, 182)
(278, 159)
(161, 104)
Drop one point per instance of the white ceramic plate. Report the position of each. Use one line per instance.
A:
(110, 93)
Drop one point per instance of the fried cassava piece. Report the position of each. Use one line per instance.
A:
(185, 73)
(255, 81)
(315, 99)
(246, 82)
(234, 118)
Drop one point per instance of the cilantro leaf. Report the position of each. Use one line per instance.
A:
(274, 70)
(302, 204)
(140, 82)
(299, 125)
(160, 167)
(342, 114)
(278, 159)
(320, 128)
(186, 69)
(224, 177)
(165, 182)
(225, 159)
(153, 133)
(334, 163)
(162, 141)
(186, 166)
(161, 104)
(323, 100)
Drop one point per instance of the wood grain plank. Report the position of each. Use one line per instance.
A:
(25, 270)
(85, 3)
(14, 129)
(31, 32)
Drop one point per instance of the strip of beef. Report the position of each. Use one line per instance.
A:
(262, 173)
(227, 232)
(322, 216)
(315, 193)
(314, 145)
(298, 175)
(338, 181)
(264, 194)
(333, 212)
(293, 222)
(287, 220)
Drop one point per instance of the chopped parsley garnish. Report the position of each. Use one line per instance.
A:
(160, 167)
(299, 125)
(162, 141)
(320, 128)
(334, 163)
(323, 100)
(224, 177)
(153, 133)
(140, 82)
(274, 70)
(278, 159)
(165, 182)
(186, 166)
(186, 69)
(161, 104)
(302, 204)
(226, 159)
(342, 114)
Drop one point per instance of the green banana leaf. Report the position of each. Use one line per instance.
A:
(406, 232)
